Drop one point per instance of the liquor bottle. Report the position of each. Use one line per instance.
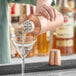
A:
(75, 25)
(65, 33)
(15, 16)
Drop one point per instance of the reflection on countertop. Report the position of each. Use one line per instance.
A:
(69, 72)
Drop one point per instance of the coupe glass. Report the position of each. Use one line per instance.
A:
(24, 45)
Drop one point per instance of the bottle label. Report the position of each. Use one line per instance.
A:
(65, 33)
(28, 26)
(15, 10)
(64, 43)
(67, 29)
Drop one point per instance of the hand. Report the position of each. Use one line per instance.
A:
(44, 8)
(48, 11)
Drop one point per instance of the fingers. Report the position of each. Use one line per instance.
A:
(51, 12)
(45, 13)
(55, 14)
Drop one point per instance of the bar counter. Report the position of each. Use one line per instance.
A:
(37, 66)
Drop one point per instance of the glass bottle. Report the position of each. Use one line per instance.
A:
(65, 33)
(15, 15)
(75, 25)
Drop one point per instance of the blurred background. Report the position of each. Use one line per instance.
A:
(63, 37)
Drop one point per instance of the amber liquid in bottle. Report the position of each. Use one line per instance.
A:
(43, 44)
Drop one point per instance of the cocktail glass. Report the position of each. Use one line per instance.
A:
(24, 45)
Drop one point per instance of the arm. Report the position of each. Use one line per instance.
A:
(24, 1)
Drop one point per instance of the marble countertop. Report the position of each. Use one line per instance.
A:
(70, 72)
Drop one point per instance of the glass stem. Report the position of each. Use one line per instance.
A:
(23, 66)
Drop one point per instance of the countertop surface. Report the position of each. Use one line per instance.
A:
(66, 72)
(70, 72)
